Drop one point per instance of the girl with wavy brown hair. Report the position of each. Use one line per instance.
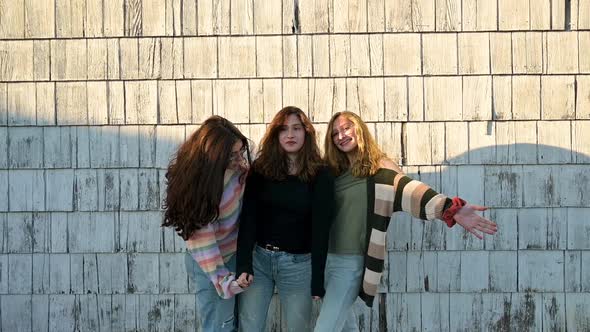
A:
(369, 188)
(285, 224)
(203, 201)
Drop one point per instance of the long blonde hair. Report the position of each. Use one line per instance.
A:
(367, 156)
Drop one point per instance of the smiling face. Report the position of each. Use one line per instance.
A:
(344, 135)
(292, 134)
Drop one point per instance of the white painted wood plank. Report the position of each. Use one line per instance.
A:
(140, 231)
(578, 304)
(112, 273)
(168, 139)
(435, 312)
(449, 271)
(59, 185)
(25, 147)
(59, 274)
(541, 271)
(59, 232)
(578, 228)
(184, 312)
(62, 310)
(422, 271)
(19, 238)
(143, 273)
(40, 273)
(149, 194)
(41, 232)
(85, 190)
(503, 271)
(467, 311)
(534, 221)
(173, 274)
(503, 186)
(16, 312)
(475, 271)
(40, 312)
(100, 224)
(19, 273)
(141, 102)
(401, 307)
(26, 190)
(129, 189)
(19, 106)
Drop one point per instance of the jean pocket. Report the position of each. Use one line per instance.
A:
(300, 258)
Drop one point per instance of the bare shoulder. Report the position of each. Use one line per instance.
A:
(390, 164)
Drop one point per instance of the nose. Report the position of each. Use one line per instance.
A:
(290, 133)
(340, 135)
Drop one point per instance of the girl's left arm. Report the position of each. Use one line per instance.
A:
(321, 221)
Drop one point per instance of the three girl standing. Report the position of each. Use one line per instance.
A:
(291, 199)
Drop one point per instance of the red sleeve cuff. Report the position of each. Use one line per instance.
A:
(449, 215)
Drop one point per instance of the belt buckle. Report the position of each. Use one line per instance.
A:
(271, 247)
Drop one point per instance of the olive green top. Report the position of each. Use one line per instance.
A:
(349, 226)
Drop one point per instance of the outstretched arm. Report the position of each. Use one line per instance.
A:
(423, 202)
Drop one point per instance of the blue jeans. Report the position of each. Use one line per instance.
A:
(215, 313)
(291, 274)
(343, 281)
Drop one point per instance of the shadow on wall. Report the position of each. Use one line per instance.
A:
(82, 231)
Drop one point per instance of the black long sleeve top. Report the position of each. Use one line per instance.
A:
(290, 214)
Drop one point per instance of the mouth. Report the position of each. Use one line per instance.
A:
(290, 142)
(345, 141)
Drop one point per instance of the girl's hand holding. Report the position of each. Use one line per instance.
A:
(245, 280)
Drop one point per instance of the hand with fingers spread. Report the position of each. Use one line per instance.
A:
(472, 222)
(245, 280)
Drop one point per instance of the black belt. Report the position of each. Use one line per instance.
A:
(273, 248)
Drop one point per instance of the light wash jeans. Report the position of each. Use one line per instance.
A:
(291, 273)
(343, 277)
(214, 313)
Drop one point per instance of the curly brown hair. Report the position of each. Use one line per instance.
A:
(272, 161)
(195, 176)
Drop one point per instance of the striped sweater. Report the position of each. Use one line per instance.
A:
(213, 245)
(389, 192)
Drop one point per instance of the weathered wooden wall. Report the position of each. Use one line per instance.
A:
(488, 99)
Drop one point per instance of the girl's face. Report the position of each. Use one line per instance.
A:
(292, 134)
(237, 157)
(344, 135)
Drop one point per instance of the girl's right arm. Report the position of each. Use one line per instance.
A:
(204, 249)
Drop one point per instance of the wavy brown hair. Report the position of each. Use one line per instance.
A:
(272, 160)
(195, 176)
(367, 156)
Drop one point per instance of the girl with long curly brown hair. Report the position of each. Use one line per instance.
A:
(284, 224)
(203, 201)
(369, 188)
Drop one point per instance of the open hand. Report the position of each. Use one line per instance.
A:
(245, 280)
(472, 222)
